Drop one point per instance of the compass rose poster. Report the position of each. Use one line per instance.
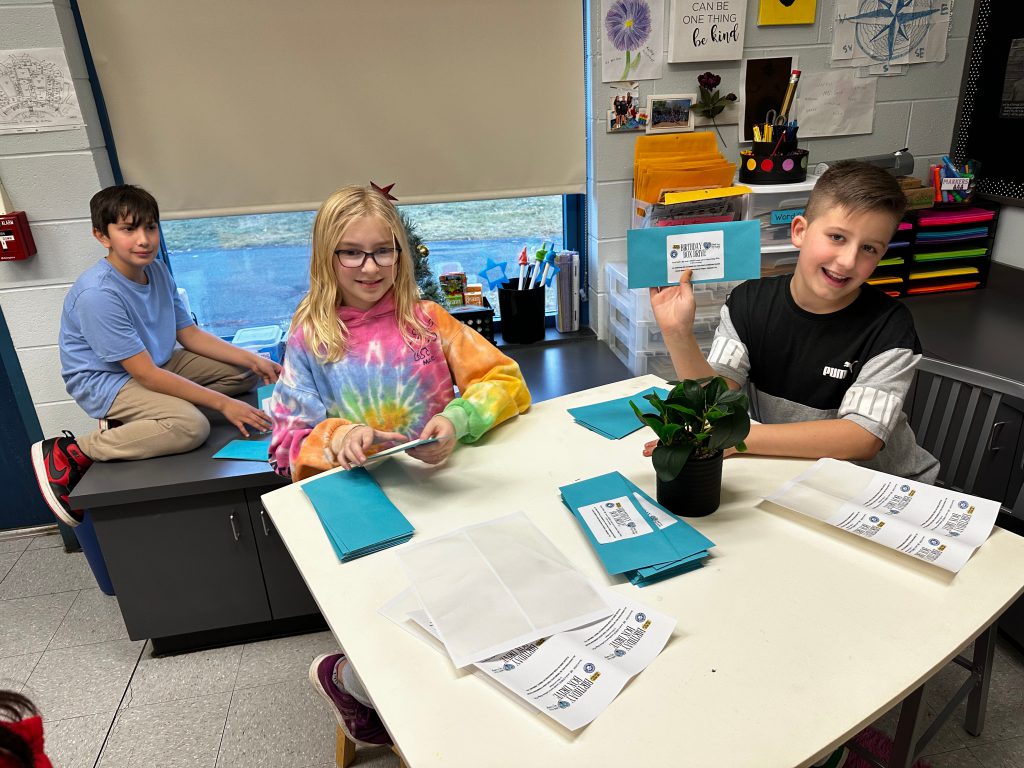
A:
(872, 32)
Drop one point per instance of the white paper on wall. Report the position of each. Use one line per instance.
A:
(37, 92)
(836, 103)
(706, 30)
(632, 39)
(870, 32)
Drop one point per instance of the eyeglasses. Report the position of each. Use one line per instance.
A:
(354, 259)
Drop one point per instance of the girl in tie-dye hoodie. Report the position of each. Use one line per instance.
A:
(367, 363)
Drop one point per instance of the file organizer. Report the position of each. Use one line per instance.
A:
(936, 250)
(357, 516)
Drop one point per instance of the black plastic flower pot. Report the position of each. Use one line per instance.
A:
(696, 491)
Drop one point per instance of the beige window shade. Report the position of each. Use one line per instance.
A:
(231, 106)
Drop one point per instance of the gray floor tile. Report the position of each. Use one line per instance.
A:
(85, 680)
(376, 757)
(45, 571)
(7, 561)
(76, 741)
(277, 725)
(958, 758)
(285, 658)
(46, 541)
(1001, 754)
(27, 624)
(172, 734)
(1009, 654)
(14, 546)
(93, 618)
(184, 676)
(14, 670)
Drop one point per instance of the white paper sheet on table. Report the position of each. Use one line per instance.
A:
(573, 676)
(937, 525)
(497, 585)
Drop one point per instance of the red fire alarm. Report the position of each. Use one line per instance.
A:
(15, 237)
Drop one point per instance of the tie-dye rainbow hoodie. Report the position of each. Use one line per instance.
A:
(390, 385)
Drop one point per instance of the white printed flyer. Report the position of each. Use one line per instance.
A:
(937, 525)
(571, 676)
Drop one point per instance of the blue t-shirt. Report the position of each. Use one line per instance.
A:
(108, 318)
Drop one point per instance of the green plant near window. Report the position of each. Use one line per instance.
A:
(699, 419)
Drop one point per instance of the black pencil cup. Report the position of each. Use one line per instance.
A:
(522, 313)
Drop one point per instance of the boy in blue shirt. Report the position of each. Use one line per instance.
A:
(118, 330)
(825, 359)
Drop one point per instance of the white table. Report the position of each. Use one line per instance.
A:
(791, 639)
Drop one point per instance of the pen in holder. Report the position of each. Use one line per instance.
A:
(522, 313)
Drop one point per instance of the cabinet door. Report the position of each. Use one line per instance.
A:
(285, 588)
(183, 565)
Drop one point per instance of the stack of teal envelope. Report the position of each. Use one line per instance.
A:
(356, 515)
(631, 533)
(614, 419)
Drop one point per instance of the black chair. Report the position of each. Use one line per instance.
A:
(972, 422)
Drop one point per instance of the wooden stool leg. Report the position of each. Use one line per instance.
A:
(398, 754)
(344, 749)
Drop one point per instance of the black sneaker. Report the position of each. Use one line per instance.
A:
(59, 464)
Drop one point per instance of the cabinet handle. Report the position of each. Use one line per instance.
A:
(234, 526)
(993, 435)
(263, 519)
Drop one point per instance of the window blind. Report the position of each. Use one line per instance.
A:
(257, 106)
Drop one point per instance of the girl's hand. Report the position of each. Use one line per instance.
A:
(267, 370)
(350, 449)
(674, 307)
(435, 453)
(649, 447)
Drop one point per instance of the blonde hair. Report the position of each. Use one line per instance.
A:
(317, 314)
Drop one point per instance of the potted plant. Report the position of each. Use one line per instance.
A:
(698, 420)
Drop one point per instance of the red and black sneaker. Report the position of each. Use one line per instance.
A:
(59, 464)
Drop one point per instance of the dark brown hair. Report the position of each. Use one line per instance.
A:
(124, 201)
(857, 187)
(14, 707)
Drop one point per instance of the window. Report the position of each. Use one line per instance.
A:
(243, 271)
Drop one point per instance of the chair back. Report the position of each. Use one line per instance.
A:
(971, 421)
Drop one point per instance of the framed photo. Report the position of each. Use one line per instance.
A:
(670, 113)
(991, 108)
(626, 114)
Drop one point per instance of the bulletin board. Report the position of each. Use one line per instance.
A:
(990, 121)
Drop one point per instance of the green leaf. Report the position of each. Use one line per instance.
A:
(730, 430)
(670, 460)
(741, 447)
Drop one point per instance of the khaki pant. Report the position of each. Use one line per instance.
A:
(154, 424)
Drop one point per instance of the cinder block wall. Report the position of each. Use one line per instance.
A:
(51, 177)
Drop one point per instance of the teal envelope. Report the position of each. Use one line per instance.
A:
(614, 419)
(642, 542)
(263, 394)
(246, 450)
(729, 250)
(357, 516)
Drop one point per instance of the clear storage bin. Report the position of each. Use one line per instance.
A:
(775, 205)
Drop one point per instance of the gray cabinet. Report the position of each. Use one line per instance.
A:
(183, 565)
(286, 590)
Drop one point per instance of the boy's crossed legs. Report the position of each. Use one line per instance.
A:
(152, 424)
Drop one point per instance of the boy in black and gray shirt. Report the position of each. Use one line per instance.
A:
(825, 359)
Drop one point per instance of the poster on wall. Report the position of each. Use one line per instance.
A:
(836, 103)
(1013, 82)
(763, 84)
(774, 12)
(37, 92)
(706, 30)
(632, 39)
(871, 32)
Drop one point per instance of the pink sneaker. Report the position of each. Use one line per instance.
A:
(360, 723)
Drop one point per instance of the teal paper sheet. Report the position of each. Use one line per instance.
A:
(729, 250)
(246, 450)
(358, 518)
(614, 419)
(645, 548)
